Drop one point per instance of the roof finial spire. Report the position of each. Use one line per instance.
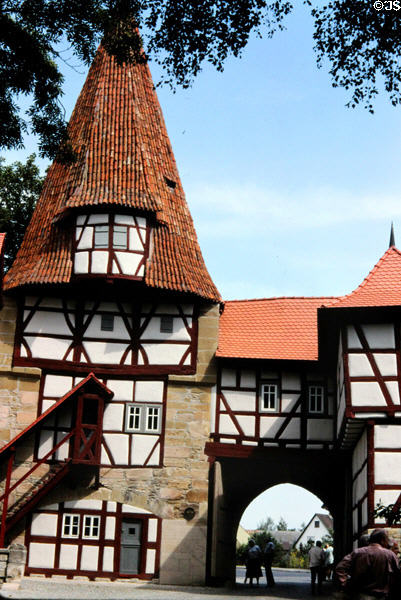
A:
(392, 238)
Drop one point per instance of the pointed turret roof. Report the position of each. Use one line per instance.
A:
(124, 160)
(382, 287)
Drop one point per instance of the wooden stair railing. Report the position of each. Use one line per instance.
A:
(11, 515)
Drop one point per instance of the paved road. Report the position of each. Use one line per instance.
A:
(290, 585)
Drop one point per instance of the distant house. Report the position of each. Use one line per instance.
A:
(318, 527)
(285, 538)
(242, 536)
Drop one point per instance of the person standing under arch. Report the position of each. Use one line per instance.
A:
(316, 562)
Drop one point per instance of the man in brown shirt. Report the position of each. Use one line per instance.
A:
(369, 572)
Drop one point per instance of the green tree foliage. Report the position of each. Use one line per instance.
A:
(282, 525)
(266, 524)
(20, 187)
(390, 512)
(361, 44)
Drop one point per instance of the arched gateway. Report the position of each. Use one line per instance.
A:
(140, 413)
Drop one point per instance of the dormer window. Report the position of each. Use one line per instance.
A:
(112, 245)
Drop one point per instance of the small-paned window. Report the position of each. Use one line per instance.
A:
(91, 527)
(152, 418)
(316, 398)
(269, 397)
(133, 417)
(70, 527)
(107, 322)
(101, 236)
(317, 523)
(166, 324)
(120, 237)
(143, 418)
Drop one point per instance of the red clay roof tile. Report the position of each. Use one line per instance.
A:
(124, 158)
(382, 287)
(272, 328)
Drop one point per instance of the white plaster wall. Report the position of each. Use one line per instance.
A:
(365, 513)
(152, 530)
(108, 558)
(366, 393)
(320, 429)
(100, 261)
(62, 452)
(293, 430)
(135, 242)
(68, 556)
(291, 381)
(141, 447)
(123, 389)
(124, 219)
(247, 424)
(41, 555)
(86, 241)
(387, 363)
(81, 262)
(119, 331)
(129, 263)
(240, 400)
(89, 558)
(44, 524)
(394, 391)
(179, 333)
(84, 504)
(111, 506)
(288, 401)
(113, 417)
(57, 385)
(269, 426)
(352, 338)
(163, 354)
(44, 321)
(387, 468)
(45, 443)
(43, 347)
(359, 365)
(118, 446)
(248, 378)
(379, 336)
(312, 532)
(355, 521)
(360, 485)
(227, 426)
(149, 391)
(95, 219)
(387, 436)
(105, 352)
(150, 560)
(228, 378)
(110, 529)
(360, 453)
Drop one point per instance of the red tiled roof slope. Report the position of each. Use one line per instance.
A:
(382, 287)
(272, 328)
(2, 241)
(124, 157)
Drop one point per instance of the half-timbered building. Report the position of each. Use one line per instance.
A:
(140, 413)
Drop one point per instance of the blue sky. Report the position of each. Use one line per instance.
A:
(291, 192)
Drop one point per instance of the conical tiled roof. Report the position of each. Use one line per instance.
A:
(382, 287)
(124, 160)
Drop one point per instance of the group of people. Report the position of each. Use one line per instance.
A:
(371, 572)
(321, 561)
(255, 559)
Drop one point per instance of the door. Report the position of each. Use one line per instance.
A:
(89, 422)
(130, 555)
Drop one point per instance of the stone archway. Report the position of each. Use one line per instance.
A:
(235, 482)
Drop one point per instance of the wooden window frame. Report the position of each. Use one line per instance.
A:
(323, 399)
(276, 408)
(143, 418)
(72, 516)
(91, 519)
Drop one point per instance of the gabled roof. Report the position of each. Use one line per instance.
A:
(90, 381)
(325, 519)
(125, 161)
(382, 287)
(271, 328)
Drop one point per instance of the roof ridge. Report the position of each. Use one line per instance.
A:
(281, 298)
(368, 277)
